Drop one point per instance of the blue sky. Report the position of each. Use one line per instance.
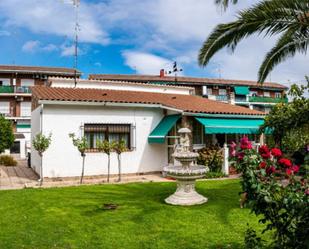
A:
(131, 36)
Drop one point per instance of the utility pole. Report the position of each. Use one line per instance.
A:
(76, 7)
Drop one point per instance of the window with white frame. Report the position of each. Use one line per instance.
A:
(253, 93)
(5, 82)
(278, 95)
(209, 91)
(4, 107)
(109, 132)
(204, 90)
(222, 91)
(266, 94)
(27, 82)
(25, 109)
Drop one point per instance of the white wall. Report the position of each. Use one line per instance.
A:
(62, 159)
(122, 86)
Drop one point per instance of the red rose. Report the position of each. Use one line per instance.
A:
(263, 149)
(276, 152)
(270, 170)
(289, 172)
(263, 165)
(266, 155)
(285, 162)
(295, 168)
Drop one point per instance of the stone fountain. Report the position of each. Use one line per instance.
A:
(186, 173)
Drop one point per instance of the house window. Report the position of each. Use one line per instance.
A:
(222, 91)
(5, 82)
(198, 132)
(110, 132)
(277, 95)
(27, 82)
(4, 107)
(266, 94)
(25, 109)
(209, 91)
(253, 93)
(204, 90)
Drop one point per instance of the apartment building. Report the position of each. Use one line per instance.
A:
(15, 97)
(246, 93)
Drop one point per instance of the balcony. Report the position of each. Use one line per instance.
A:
(223, 98)
(15, 89)
(267, 99)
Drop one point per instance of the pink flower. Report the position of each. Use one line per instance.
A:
(233, 149)
(276, 152)
(270, 170)
(240, 156)
(245, 143)
(307, 192)
(285, 162)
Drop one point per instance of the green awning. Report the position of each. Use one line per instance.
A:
(23, 126)
(159, 133)
(231, 126)
(241, 90)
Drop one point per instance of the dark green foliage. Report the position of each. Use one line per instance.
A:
(7, 160)
(6, 134)
(289, 18)
(211, 157)
(252, 241)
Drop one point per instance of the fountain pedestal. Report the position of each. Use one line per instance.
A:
(186, 174)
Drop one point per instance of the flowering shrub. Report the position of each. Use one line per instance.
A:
(273, 189)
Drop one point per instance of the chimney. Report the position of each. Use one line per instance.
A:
(162, 73)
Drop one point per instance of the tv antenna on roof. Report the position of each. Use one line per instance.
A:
(76, 4)
(175, 70)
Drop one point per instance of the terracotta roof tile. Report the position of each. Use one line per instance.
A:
(186, 103)
(182, 80)
(34, 69)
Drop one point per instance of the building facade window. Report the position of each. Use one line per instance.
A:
(4, 107)
(109, 132)
(5, 82)
(197, 132)
(27, 82)
(204, 90)
(209, 91)
(253, 93)
(266, 94)
(222, 91)
(25, 109)
(277, 95)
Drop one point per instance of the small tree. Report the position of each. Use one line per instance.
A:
(6, 134)
(106, 147)
(81, 144)
(41, 143)
(119, 147)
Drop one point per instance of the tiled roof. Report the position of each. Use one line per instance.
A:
(183, 80)
(186, 103)
(31, 69)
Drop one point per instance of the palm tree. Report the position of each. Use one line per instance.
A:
(289, 18)
(225, 3)
(106, 147)
(119, 147)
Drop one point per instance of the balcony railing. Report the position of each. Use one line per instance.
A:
(218, 97)
(267, 99)
(15, 89)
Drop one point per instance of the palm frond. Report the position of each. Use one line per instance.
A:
(225, 3)
(287, 46)
(269, 16)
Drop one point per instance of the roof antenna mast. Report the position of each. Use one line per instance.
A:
(76, 7)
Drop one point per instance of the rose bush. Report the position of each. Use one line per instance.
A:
(275, 190)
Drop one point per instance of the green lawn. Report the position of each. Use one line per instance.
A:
(72, 217)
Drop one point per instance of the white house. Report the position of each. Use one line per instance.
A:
(145, 120)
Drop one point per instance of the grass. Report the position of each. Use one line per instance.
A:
(73, 217)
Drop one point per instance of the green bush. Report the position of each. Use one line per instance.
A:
(210, 175)
(7, 160)
(212, 157)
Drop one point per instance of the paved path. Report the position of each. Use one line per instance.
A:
(17, 177)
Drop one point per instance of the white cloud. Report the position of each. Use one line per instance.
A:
(53, 17)
(70, 51)
(4, 33)
(31, 46)
(145, 63)
(50, 48)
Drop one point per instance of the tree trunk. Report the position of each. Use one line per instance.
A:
(83, 169)
(108, 167)
(41, 170)
(119, 167)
